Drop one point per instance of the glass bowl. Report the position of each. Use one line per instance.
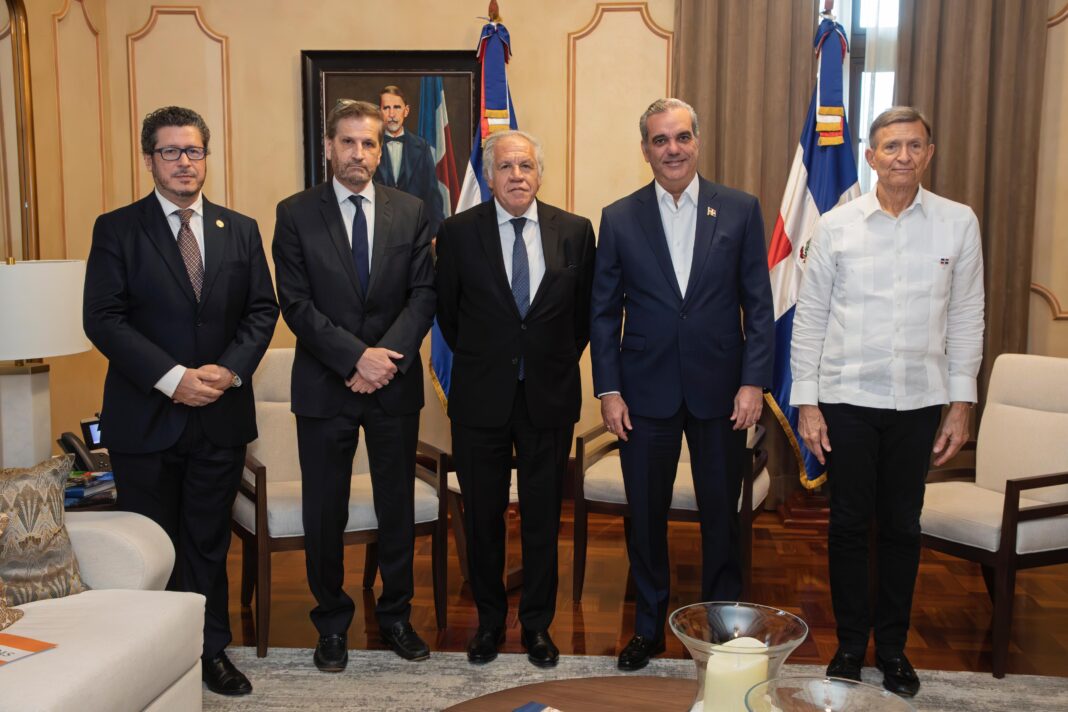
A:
(821, 694)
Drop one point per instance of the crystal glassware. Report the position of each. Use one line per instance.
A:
(821, 694)
(735, 646)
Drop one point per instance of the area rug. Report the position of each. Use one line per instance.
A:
(379, 681)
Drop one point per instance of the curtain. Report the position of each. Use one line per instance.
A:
(975, 68)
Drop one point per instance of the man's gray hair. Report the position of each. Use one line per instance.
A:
(897, 115)
(494, 138)
(659, 107)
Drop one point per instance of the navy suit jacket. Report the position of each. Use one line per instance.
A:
(326, 308)
(418, 177)
(670, 350)
(140, 311)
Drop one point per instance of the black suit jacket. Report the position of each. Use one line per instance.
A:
(324, 305)
(480, 322)
(140, 311)
(418, 176)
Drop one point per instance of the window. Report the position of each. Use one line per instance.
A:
(872, 67)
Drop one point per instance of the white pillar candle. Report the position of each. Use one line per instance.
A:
(728, 676)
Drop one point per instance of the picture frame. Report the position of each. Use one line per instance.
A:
(329, 75)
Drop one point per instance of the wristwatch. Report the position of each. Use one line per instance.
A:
(235, 382)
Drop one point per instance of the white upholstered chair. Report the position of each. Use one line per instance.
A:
(270, 492)
(1013, 513)
(599, 489)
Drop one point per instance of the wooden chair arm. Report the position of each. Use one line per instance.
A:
(259, 471)
(951, 474)
(589, 450)
(1012, 514)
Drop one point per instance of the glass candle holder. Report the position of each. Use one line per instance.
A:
(821, 694)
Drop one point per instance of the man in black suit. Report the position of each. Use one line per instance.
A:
(356, 284)
(407, 163)
(178, 297)
(514, 277)
(681, 343)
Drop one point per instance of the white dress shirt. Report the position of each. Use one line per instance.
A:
(890, 311)
(680, 228)
(532, 239)
(396, 154)
(170, 380)
(348, 212)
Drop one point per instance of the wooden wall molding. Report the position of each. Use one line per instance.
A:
(223, 41)
(573, 39)
(1057, 312)
(58, 18)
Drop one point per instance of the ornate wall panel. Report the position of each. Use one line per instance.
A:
(617, 64)
(79, 96)
(10, 225)
(176, 58)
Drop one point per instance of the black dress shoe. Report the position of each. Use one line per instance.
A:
(846, 665)
(638, 651)
(540, 648)
(483, 647)
(898, 674)
(332, 652)
(222, 678)
(405, 641)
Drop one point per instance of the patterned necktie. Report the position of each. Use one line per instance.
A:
(359, 243)
(187, 245)
(520, 276)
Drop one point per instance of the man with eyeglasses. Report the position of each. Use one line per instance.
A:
(178, 297)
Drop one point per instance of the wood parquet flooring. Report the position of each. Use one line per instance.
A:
(950, 623)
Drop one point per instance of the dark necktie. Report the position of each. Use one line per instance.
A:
(359, 243)
(187, 245)
(520, 275)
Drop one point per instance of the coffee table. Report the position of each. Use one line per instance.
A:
(592, 694)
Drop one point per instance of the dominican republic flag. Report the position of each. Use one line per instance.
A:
(434, 129)
(824, 175)
(496, 113)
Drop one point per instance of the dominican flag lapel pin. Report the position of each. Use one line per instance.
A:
(944, 261)
(711, 212)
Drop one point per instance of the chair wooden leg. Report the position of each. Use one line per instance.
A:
(248, 570)
(989, 580)
(439, 570)
(370, 565)
(456, 516)
(1004, 592)
(579, 560)
(263, 597)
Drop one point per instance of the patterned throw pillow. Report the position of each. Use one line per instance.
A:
(36, 558)
(7, 615)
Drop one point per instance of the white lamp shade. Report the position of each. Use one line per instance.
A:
(41, 309)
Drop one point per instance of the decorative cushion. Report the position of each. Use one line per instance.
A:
(36, 558)
(7, 615)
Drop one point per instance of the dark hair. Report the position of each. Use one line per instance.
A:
(897, 115)
(394, 90)
(170, 116)
(354, 109)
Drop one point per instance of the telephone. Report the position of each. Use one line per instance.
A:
(84, 458)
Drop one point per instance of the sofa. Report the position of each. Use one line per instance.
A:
(126, 644)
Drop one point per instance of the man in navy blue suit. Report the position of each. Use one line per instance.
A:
(407, 163)
(681, 340)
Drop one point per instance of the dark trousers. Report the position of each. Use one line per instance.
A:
(876, 471)
(189, 489)
(483, 465)
(650, 459)
(327, 447)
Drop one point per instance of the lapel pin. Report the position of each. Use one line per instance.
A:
(711, 212)
(219, 223)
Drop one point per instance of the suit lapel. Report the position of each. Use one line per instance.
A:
(216, 232)
(155, 226)
(653, 228)
(552, 249)
(490, 236)
(383, 227)
(332, 217)
(706, 230)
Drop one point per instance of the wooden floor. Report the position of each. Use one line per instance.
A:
(950, 622)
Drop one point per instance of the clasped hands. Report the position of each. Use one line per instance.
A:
(376, 368)
(748, 403)
(203, 386)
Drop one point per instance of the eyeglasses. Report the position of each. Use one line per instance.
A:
(173, 153)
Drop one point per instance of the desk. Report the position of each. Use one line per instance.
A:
(592, 694)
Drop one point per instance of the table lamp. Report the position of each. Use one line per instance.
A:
(40, 316)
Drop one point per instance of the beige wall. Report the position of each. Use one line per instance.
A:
(238, 63)
(1047, 334)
